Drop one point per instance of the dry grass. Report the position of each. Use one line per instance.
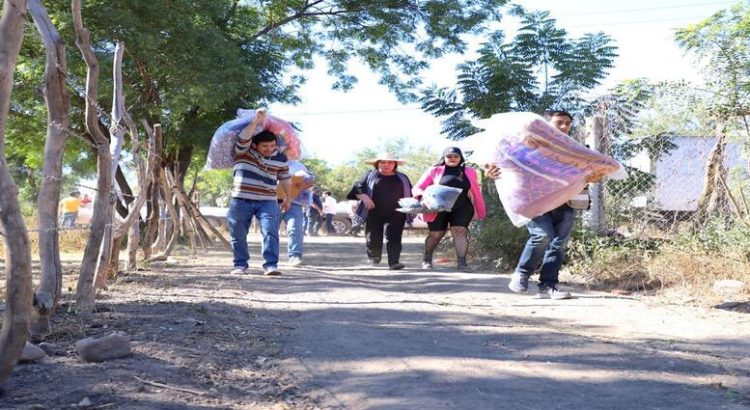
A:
(71, 241)
(669, 270)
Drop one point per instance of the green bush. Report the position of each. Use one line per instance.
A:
(495, 239)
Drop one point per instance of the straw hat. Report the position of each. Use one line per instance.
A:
(385, 156)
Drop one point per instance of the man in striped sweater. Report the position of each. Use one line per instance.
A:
(258, 168)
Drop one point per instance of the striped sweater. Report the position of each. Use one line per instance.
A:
(255, 176)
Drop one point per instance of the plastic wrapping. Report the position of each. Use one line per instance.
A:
(221, 149)
(437, 198)
(410, 206)
(542, 168)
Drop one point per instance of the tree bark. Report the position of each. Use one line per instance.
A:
(713, 197)
(102, 215)
(117, 131)
(18, 288)
(173, 216)
(144, 180)
(58, 107)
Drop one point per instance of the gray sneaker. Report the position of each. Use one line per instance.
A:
(519, 283)
(552, 292)
(295, 261)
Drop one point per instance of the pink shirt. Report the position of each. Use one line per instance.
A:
(433, 176)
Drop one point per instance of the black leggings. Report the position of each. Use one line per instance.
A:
(393, 224)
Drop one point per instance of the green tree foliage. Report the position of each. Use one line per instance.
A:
(191, 63)
(722, 44)
(539, 68)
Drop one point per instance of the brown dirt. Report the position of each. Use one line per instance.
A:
(191, 329)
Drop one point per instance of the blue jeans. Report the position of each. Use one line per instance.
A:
(295, 232)
(239, 217)
(547, 244)
(69, 219)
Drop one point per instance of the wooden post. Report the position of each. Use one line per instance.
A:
(595, 139)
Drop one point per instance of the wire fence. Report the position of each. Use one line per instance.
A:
(677, 185)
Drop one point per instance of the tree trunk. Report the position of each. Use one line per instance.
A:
(713, 198)
(173, 216)
(117, 131)
(58, 106)
(144, 180)
(18, 288)
(102, 216)
(150, 243)
(134, 236)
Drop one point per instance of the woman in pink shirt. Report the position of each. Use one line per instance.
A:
(451, 171)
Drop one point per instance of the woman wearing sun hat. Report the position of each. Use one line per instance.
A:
(452, 171)
(378, 192)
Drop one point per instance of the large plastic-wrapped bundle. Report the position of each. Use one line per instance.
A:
(221, 149)
(542, 168)
(289, 143)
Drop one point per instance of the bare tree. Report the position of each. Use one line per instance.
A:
(117, 130)
(17, 254)
(714, 197)
(102, 216)
(58, 106)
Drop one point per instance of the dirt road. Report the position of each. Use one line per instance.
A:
(335, 334)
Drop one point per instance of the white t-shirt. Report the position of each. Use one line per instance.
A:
(329, 205)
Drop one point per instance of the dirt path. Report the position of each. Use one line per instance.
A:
(337, 334)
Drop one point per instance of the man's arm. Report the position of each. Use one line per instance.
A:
(247, 133)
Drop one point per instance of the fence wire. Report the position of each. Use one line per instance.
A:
(676, 186)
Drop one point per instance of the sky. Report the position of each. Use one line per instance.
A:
(336, 125)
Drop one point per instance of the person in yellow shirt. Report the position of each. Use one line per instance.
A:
(69, 207)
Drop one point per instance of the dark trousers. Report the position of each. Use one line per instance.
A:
(392, 223)
(313, 223)
(330, 230)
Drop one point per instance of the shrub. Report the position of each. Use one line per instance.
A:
(495, 239)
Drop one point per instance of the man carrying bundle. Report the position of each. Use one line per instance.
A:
(258, 168)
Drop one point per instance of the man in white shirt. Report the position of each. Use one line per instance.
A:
(329, 209)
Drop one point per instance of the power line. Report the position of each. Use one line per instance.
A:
(647, 9)
(357, 111)
(634, 22)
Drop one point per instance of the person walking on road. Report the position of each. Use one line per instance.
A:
(452, 171)
(314, 213)
(294, 216)
(548, 235)
(258, 169)
(378, 192)
(329, 209)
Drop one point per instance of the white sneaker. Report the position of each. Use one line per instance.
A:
(552, 292)
(295, 261)
(238, 270)
(272, 271)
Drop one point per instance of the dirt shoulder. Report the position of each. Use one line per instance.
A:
(337, 334)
